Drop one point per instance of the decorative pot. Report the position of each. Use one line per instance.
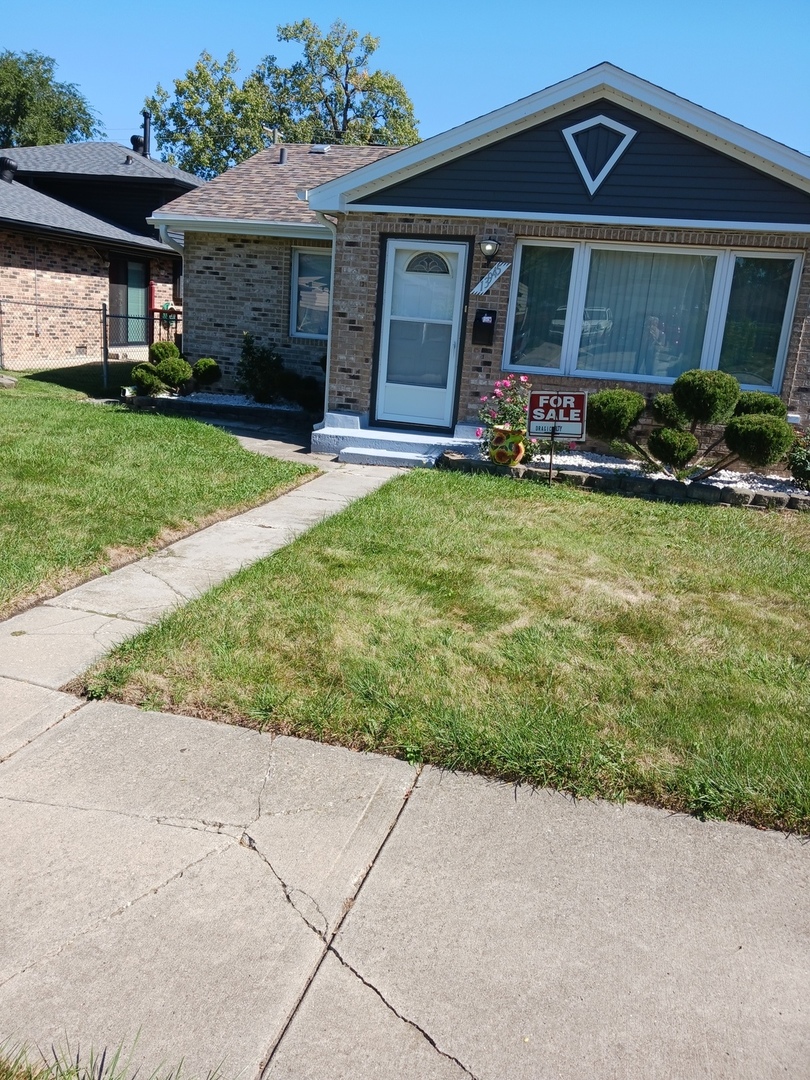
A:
(507, 444)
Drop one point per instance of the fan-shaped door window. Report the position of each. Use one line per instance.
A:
(427, 262)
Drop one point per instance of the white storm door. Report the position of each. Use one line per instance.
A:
(423, 301)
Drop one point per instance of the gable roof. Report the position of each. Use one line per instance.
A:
(23, 207)
(106, 159)
(261, 194)
(603, 82)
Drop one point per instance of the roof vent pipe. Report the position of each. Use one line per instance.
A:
(147, 131)
(282, 156)
(7, 169)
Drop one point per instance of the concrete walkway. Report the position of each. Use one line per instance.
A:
(283, 909)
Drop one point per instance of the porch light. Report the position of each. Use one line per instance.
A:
(489, 249)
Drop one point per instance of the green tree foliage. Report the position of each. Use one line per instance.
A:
(332, 96)
(213, 121)
(35, 109)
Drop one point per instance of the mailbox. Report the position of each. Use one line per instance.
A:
(484, 326)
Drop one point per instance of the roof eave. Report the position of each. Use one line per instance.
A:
(240, 226)
(91, 239)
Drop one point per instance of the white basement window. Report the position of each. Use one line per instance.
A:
(309, 307)
(647, 314)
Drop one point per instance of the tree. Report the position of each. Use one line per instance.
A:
(35, 109)
(212, 123)
(329, 95)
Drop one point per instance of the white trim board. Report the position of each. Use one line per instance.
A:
(603, 81)
(240, 227)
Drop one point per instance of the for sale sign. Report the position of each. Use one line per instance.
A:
(557, 414)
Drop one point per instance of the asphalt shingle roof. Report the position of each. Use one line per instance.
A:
(21, 205)
(262, 189)
(94, 159)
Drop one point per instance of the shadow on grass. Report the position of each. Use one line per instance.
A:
(86, 378)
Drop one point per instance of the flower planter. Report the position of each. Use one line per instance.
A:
(507, 445)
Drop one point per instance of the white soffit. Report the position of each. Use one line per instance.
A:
(603, 81)
(570, 135)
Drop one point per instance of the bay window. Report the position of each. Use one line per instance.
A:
(648, 314)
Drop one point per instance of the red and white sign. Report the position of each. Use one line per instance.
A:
(558, 413)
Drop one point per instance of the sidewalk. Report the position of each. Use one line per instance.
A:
(285, 909)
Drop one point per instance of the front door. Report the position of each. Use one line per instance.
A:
(423, 301)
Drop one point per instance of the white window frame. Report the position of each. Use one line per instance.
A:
(294, 331)
(715, 321)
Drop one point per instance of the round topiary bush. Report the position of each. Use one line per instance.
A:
(611, 413)
(672, 447)
(706, 397)
(162, 350)
(759, 439)
(798, 460)
(174, 371)
(757, 401)
(666, 412)
(206, 371)
(147, 379)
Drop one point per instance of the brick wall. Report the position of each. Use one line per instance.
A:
(234, 284)
(52, 292)
(355, 299)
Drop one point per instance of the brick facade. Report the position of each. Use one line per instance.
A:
(52, 293)
(234, 284)
(356, 288)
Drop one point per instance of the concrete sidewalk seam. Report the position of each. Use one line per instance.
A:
(194, 824)
(92, 927)
(328, 942)
(80, 704)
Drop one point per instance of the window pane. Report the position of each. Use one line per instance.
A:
(756, 314)
(420, 295)
(418, 353)
(645, 313)
(545, 274)
(312, 310)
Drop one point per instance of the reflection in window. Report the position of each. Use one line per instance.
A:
(310, 314)
(645, 313)
(756, 311)
(545, 274)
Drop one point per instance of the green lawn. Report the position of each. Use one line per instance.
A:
(84, 486)
(603, 646)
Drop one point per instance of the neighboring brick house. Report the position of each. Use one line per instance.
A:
(638, 235)
(74, 236)
(258, 259)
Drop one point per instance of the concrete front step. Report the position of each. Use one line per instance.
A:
(358, 455)
(343, 432)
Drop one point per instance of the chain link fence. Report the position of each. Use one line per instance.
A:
(80, 344)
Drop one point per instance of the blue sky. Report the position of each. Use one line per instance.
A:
(457, 60)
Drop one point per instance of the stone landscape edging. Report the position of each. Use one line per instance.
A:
(642, 487)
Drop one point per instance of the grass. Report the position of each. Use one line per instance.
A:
(86, 487)
(603, 646)
(19, 1064)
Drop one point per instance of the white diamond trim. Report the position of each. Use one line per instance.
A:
(593, 182)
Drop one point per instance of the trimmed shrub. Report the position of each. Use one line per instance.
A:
(162, 350)
(672, 446)
(206, 371)
(759, 439)
(174, 371)
(706, 397)
(666, 412)
(757, 401)
(611, 413)
(258, 371)
(798, 460)
(147, 379)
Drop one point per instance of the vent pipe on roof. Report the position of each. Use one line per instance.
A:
(147, 131)
(282, 156)
(137, 144)
(7, 169)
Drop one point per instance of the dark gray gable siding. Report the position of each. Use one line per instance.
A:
(661, 174)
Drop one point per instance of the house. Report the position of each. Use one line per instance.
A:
(602, 232)
(258, 259)
(73, 237)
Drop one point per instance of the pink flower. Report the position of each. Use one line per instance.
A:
(484, 398)
(498, 384)
(492, 413)
(479, 432)
(497, 393)
(572, 446)
(524, 378)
